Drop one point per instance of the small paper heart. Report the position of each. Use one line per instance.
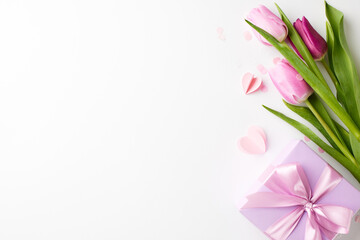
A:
(254, 142)
(257, 130)
(251, 83)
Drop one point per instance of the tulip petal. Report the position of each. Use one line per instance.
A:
(312, 39)
(265, 19)
(289, 83)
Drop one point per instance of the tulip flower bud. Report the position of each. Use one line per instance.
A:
(312, 39)
(265, 19)
(289, 83)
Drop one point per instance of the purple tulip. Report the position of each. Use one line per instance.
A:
(289, 83)
(312, 39)
(267, 20)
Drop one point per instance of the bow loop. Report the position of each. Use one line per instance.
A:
(289, 179)
(328, 180)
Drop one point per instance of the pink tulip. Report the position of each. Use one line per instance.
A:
(289, 83)
(312, 39)
(265, 19)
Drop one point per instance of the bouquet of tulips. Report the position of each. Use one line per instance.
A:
(299, 80)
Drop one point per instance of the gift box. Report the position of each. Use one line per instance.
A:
(301, 197)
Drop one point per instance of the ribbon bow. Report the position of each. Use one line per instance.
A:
(290, 187)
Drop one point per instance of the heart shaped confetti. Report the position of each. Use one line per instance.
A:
(320, 150)
(264, 88)
(247, 35)
(276, 60)
(261, 69)
(220, 32)
(251, 83)
(254, 142)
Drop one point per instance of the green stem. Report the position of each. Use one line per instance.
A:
(330, 72)
(343, 148)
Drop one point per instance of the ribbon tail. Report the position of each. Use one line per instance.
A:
(282, 229)
(328, 234)
(328, 180)
(313, 231)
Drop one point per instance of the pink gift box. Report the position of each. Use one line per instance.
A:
(344, 194)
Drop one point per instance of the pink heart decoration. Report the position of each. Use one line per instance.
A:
(276, 60)
(261, 69)
(251, 83)
(254, 142)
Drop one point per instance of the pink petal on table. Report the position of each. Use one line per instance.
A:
(250, 83)
(264, 88)
(357, 219)
(321, 150)
(276, 60)
(254, 142)
(220, 32)
(247, 35)
(306, 139)
(261, 69)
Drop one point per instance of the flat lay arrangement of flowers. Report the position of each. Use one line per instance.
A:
(300, 196)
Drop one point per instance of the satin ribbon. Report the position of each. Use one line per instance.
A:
(290, 187)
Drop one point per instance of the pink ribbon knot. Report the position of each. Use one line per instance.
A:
(290, 187)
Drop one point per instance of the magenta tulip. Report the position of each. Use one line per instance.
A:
(265, 19)
(312, 39)
(289, 83)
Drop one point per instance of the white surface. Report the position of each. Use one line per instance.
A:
(119, 118)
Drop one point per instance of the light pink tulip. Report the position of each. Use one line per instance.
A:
(267, 20)
(289, 83)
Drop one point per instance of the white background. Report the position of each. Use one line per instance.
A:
(118, 119)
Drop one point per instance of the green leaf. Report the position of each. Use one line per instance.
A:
(311, 135)
(344, 134)
(306, 114)
(319, 87)
(300, 45)
(356, 147)
(330, 42)
(341, 62)
(344, 69)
